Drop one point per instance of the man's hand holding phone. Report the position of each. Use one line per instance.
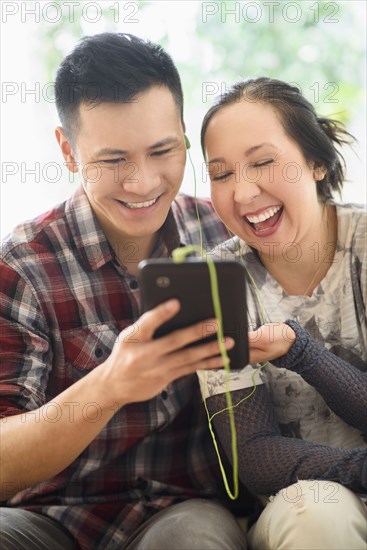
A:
(140, 366)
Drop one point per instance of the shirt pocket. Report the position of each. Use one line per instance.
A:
(87, 347)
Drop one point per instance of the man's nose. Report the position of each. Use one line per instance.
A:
(138, 178)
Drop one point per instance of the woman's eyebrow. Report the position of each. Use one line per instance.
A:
(248, 152)
(257, 147)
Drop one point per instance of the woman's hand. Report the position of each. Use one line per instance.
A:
(270, 341)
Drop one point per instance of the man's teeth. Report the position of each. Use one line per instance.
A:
(264, 215)
(139, 204)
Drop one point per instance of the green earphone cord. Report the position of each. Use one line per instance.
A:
(196, 206)
(178, 256)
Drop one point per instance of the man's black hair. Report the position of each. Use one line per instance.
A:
(111, 67)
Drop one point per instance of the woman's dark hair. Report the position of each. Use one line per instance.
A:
(317, 137)
(111, 67)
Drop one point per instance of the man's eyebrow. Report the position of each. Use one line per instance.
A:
(249, 151)
(165, 141)
(110, 151)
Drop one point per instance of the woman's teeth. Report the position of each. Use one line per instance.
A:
(264, 215)
(139, 204)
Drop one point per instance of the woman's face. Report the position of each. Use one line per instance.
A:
(261, 185)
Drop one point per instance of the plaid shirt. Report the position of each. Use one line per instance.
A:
(64, 299)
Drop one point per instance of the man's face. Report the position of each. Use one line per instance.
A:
(132, 158)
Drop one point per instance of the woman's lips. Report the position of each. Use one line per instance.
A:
(266, 223)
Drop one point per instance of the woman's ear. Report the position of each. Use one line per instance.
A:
(319, 172)
(66, 149)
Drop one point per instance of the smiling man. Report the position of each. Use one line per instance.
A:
(104, 441)
(132, 167)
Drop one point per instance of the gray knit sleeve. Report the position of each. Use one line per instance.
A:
(343, 386)
(268, 461)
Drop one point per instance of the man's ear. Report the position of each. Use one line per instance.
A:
(66, 149)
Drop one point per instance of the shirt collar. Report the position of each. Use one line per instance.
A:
(92, 243)
(88, 235)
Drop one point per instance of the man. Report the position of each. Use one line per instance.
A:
(105, 442)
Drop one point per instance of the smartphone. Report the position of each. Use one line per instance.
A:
(189, 282)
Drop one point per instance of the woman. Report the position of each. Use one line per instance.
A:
(274, 166)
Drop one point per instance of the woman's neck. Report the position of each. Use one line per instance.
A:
(311, 259)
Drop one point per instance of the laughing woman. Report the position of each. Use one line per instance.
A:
(274, 167)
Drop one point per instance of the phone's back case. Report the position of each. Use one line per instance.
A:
(190, 283)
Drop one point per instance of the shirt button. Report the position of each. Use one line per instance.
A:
(133, 284)
(164, 394)
(98, 352)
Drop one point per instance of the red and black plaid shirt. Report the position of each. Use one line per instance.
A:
(64, 299)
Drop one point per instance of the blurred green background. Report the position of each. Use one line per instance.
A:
(315, 44)
(318, 45)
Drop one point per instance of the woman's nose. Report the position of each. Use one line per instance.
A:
(247, 186)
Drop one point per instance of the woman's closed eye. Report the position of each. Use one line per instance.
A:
(261, 163)
(221, 177)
